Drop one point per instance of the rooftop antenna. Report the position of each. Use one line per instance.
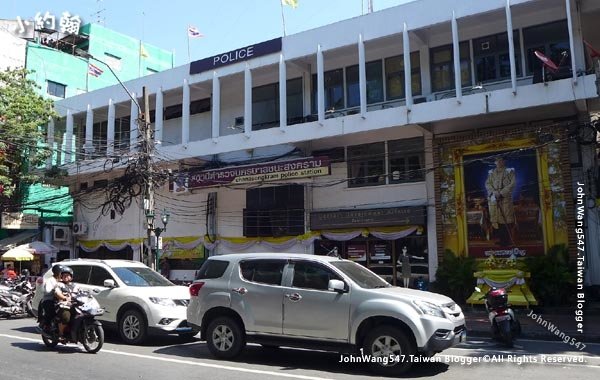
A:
(98, 16)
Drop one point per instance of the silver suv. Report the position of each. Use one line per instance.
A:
(319, 302)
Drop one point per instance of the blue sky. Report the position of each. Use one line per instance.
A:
(226, 24)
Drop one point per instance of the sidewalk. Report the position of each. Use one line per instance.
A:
(563, 319)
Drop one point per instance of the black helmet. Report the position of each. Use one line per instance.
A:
(66, 269)
(57, 269)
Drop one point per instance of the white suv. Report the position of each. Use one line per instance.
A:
(322, 303)
(137, 300)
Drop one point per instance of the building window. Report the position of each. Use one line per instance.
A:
(366, 165)
(492, 61)
(406, 160)
(374, 84)
(113, 61)
(274, 211)
(122, 132)
(200, 106)
(265, 104)
(442, 67)
(173, 112)
(99, 138)
(334, 154)
(551, 39)
(56, 89)
(394, 76)
(334, 90)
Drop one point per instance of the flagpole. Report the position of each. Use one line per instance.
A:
(282, 17)
(140, 60)
(188, 41)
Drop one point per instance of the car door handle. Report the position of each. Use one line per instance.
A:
(96, 290)
(295, 297)
(241, 291)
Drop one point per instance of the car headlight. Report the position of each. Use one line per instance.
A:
(162, 301)
(430, 309)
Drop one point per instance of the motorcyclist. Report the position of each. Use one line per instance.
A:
(47, 304)
(62, 293)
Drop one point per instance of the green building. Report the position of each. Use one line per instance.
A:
(65, 65)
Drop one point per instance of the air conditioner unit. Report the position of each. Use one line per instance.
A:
(61, 233)
(80, 228)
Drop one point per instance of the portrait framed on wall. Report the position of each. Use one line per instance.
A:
(502, 198)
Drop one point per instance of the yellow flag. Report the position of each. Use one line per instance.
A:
(143, 51)
(291, 3)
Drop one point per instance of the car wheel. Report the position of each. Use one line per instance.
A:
(133, 327)
(225, 338)
(390, 350)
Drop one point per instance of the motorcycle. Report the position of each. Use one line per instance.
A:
(83, 327)
(504, 323)
(16, 299)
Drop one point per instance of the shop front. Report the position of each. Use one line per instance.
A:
(377, 238)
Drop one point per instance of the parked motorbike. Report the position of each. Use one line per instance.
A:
(16, 299)
(504, 323)
(83, 327)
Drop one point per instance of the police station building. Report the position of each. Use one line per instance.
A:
(371, 136)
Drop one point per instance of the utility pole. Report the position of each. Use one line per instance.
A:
(146, 151)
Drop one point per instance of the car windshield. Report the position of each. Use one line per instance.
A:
(140, 276)
(360, 275)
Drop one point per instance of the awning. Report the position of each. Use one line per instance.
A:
(20, 238)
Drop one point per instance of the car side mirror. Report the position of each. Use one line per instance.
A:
(109, 284)
(337, 286)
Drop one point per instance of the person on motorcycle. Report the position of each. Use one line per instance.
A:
(47, 307)
(62, 294)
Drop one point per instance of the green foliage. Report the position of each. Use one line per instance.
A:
(23, 117)
(454, 276)
(552, 277)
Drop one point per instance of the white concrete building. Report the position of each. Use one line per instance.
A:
(401, 157)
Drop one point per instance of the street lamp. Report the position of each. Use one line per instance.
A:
(156, 250)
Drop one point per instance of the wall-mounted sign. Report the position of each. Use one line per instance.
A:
(268, 172)
(393, 216)
(20, 221)
(235, 56)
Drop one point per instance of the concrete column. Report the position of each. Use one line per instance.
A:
(50, 143)
(407, 73)
(282, 93)
(511, 48)
(571, 43)
(216, 106)
(247, 100)
(89, 130)
(158, 117)
(456, 48)
(185, 113)
(110, 129)
(362, 76)
(70, 154)
(320, 86)
(133, 126)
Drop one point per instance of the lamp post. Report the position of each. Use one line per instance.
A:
(156, 250)
(145, 158)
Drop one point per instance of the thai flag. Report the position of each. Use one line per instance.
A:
(94, 70)
(193, 32)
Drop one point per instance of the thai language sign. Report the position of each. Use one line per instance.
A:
(268, 172)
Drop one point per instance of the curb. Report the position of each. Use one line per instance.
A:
(537, 336)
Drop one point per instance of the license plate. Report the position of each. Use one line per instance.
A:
(502, 318)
